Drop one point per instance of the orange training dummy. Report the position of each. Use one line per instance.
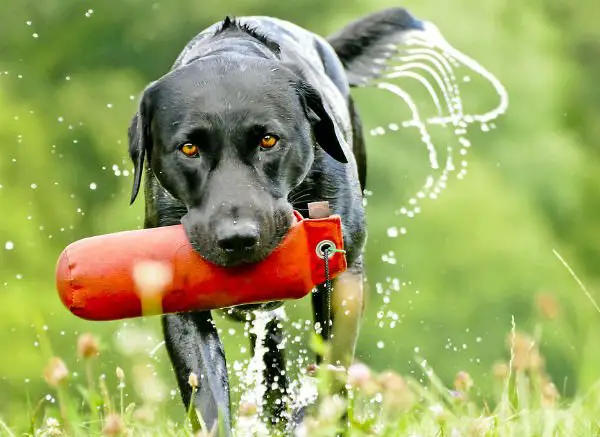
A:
(156, 271)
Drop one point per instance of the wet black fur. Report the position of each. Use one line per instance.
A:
(233, 83)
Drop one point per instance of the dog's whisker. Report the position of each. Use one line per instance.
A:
(303, 198)
(300, 192)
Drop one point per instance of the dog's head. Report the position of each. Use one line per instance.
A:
(230, 137)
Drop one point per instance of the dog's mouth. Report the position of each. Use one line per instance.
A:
(234, 258)
(272, 234)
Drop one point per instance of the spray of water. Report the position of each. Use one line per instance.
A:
(426, 56)
(252, 380)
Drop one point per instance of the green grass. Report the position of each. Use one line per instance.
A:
(525, 403)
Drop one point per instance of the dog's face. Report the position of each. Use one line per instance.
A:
(230, 138)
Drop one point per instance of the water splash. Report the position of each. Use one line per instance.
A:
(252, 384)
(302, 389)
(426, 57)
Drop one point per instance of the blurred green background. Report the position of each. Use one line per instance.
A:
(70, 75)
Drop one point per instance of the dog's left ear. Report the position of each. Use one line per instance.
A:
(140, 141)
(327, 132)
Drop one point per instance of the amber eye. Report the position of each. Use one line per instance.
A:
(190, 150)
(268, 141)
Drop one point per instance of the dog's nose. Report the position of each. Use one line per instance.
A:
(237, 236)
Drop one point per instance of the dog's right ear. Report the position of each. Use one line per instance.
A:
(140, 141)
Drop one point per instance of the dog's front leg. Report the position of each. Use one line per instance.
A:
(275, 377)
(194, 346)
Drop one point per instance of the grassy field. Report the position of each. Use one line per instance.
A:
(525, 402)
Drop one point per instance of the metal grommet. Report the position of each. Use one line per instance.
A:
(324, 245)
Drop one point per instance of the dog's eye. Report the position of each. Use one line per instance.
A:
(190, 150)
(268, 141)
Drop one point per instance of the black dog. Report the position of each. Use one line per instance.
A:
(255, 119)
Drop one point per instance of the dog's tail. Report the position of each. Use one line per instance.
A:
(363, 45)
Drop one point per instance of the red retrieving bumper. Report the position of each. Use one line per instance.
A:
(155, 271)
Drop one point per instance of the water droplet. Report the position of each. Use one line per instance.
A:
(33, 186)
(35, 35)
(9, 245)
(380, 344)
(93, 186)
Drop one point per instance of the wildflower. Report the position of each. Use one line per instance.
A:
(396, 393)
(548, 305)
(51, 422)
(525, 353)
(120, 374)
(359, 375)
(501, 371)
(87, 346)
(536, 361)
(50, 428)
(463, 382)
(113, 425)
(193, 381)
(550, 394)
(55, 372)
